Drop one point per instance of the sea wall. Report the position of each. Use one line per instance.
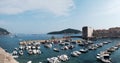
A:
(6, 57)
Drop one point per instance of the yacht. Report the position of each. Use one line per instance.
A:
(105, 58)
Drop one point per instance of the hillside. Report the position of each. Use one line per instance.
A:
(3, 31)
(66, 31)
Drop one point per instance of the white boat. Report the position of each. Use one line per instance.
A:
(38, 47)
(56, 49)
(38, 51)
(83, 50)
(53, 60)
(100, 44)
(75, 53)
(65, 48)
(34, 51)
(63, 57)
(105, 42)
(21, 52)
(40, 62)
(104, 57)
(14, 53)
(48, 45)
(29, 62)
(30, 51)
(21, 47)
(33, 47)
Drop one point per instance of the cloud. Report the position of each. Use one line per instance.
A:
(110, 7)
(57, 7)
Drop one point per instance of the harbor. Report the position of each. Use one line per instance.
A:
(77, 50)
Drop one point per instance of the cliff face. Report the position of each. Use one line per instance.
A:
(6, 57)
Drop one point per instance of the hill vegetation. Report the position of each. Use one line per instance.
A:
(3, 31)
(66, 31)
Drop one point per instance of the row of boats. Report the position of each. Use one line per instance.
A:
(76, 53)
(34, 48)
(104, 56)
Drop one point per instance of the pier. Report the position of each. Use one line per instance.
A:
(42, 41)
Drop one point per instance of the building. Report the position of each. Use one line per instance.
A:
(111, 32)
(87, 32)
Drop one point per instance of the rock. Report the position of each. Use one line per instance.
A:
(6, 57)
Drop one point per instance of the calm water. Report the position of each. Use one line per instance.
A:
(10, 42)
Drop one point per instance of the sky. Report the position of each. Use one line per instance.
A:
(43, 16)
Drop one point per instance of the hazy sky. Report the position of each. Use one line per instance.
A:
(42, 16)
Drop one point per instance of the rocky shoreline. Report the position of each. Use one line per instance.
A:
(6, 57)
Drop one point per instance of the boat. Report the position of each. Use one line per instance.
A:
(75, 53)
(16, 49)
(71, 46)
(30, 51)
(112, 49)
(15, 52)
(56, 49)
(21, 52)
(38, 51)
(40, 62)
(29, 62)
(15, 56)
(34, 51)
(21, 47)
(104, 57)
(100, 44)
(81, 44)
(38, 47)
(83, 50)
(63, 57)
(33, 47)
(53, 60)
(64, 48)
(48, 45)
(105, 42)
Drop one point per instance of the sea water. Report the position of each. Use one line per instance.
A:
(11, 42)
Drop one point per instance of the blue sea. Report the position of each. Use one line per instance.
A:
(12, 41)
